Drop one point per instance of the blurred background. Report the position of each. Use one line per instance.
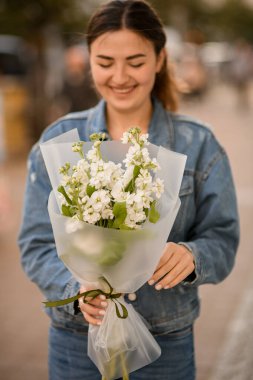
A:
(44, 73)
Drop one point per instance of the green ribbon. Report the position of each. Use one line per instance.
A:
(93, 294)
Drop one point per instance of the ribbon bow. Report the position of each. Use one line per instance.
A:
(93, 294)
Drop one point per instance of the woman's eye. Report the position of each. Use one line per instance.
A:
(136, 65)
(105, 66)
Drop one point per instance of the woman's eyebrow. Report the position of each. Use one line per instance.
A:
(104, 57)
(136, 56)
(128, 58)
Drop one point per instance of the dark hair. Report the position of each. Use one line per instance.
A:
(140, 17)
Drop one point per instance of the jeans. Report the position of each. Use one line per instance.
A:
(68, 359)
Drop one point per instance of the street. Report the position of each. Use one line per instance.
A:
(223, 333)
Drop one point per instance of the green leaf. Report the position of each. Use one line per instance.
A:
(125, 227)
(90, 190)
(66, 210)
(120, 213)
(136, 171)
(110, 223)
(63, 192)
(154, 215)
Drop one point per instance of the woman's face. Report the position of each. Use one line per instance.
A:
(124, 66)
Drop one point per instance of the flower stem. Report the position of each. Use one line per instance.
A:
(124, 368)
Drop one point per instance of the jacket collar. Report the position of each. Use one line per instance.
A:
(161, 130)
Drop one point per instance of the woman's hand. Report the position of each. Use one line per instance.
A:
(93, 311)
(176, 263)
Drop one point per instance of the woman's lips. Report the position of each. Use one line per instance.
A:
(123, 90)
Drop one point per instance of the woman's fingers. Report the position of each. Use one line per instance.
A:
(93, 314)
(163, 270)
(175, 265)
(95, 309)
(181, 276)
(175, 276)
(166, 255)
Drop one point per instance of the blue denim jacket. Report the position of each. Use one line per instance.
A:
(207, 222)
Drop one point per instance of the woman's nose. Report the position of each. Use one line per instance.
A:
(120, 75)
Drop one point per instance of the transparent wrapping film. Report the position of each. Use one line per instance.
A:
(121, 345)
(126, 258)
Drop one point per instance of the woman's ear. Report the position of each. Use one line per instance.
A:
(160, 60)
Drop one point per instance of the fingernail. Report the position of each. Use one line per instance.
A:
(104, 304)
(166, 287)
(102, 297)
(151, 282)
(101, 312)
(99, 323)
(158, 287)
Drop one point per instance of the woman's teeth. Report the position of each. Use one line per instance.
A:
(122, 90)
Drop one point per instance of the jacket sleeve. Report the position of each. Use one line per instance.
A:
(214, 237)
(36, 241)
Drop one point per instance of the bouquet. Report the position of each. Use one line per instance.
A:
(109, 221)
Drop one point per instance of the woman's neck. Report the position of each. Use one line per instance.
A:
(119, 122)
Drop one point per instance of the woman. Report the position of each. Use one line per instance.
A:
(129, 67)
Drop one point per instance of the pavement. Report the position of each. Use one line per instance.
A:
(223, 332)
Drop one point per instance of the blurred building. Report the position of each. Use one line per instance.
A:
(14, 97)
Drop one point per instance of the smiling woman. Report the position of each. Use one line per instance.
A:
(130, 70)
(124, 66)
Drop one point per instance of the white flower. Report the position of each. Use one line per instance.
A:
(95, 185)
(133, 151)
(125, 138)
(158, 187)
(82, 167)
(83, 189)
(107, 213)
(154, 165)
(144, 139)
(117, 190)
(134, 217)
(137, 156)
(117, 173)
(84, 199)
(93, 154)
(99, 200)
(128, 175)
(144, 177)
(65, 180)
(81, 173)
(90, 215)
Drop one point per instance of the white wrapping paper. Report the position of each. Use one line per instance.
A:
(127, 259)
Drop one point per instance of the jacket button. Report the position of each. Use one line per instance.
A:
(132, 296)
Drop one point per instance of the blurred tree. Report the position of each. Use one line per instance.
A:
(235, 20)
(184, 15)
(228, 21)
(44, 25)
(28, 18)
